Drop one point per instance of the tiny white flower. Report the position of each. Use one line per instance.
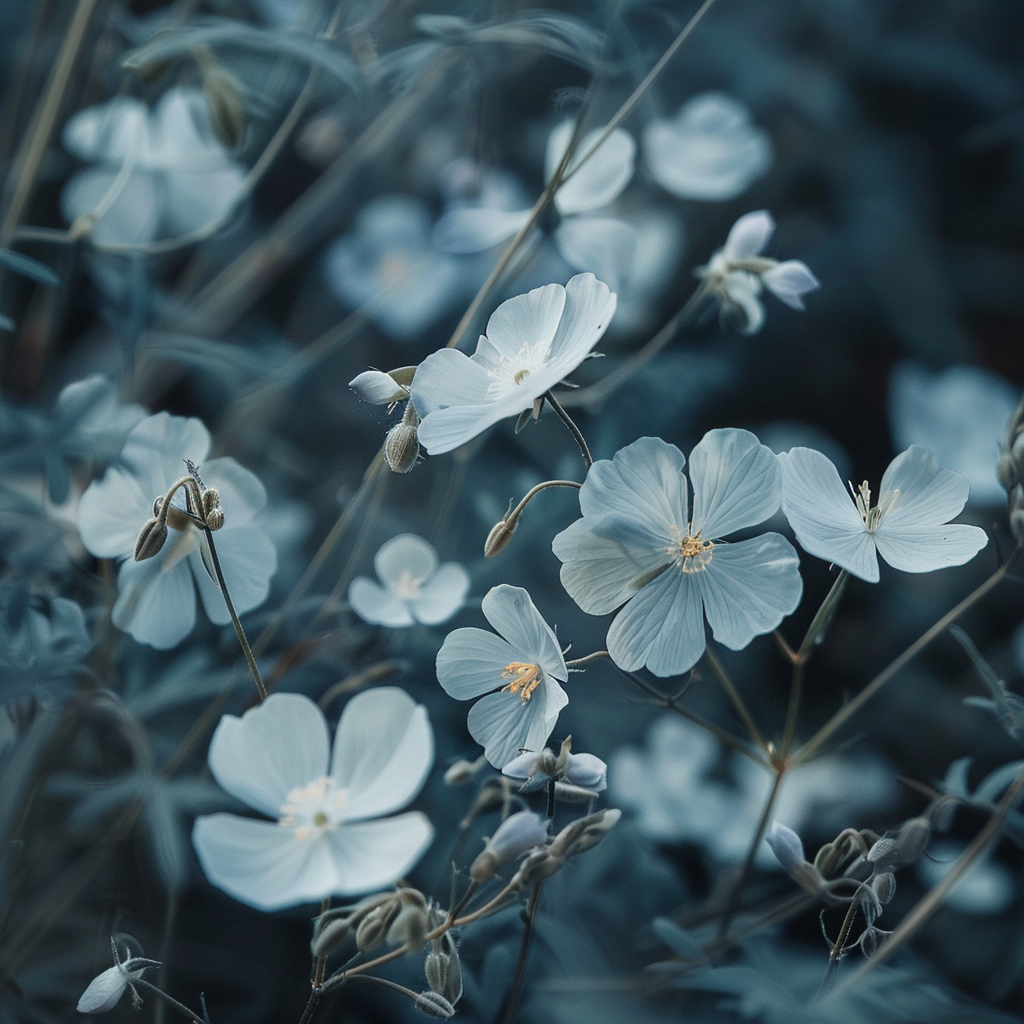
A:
(532, 342)
(737, 272)
(326, 838)
(639, 546)
(105, 990)
(378, 388)
(156, 600)
(415, 588)
(709, 150)
(908, 525)
(516, 674)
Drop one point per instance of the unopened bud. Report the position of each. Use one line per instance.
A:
(585, 833)
(212, 512)
(500, 535)
(1006, 470)
(1017, 523)
(443, 968)
(884, 853)
(515, 835)
(540, 864)
(401, 447)
(884, 886)
(435, 968)
(460, 773)
(375, 925)
(912, 838)
(150, 540)
(330, 937)
(434, 1005)
(410, 928)
(827, 860)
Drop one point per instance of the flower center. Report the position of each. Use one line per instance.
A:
(509, 372)
(314, 809)
(407, 586)
(691, 552)
(525, 678)
(873, 516)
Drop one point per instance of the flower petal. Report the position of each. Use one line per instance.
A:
(476, 229)
(370, 855)
(662, 627)
(589, 307)
(926, 548)
(448, 377)
(273, 748)
(132, 216)
(383, 750)
(513, 614)
(405, 554)
(377, 605)
(442, 595)
(790, 280)
(111, 513)
(736, 482)
(157, 448)
(823, 515)
(471, 661)
(749, 235)
(749, 587)
(502, 723)
(927, 494)
(597, 182)
(155, 606)
(531, 319)
(104, 991)
(248, 560)
(445, 429)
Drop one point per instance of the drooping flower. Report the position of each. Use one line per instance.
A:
(639, 546)
(326, 839)
(158, 174)
(516, 674)
(156, 600)
(532, 342)
(709, 150)
(105, 990)
(737, 273)
(908, 525)
(415, 588)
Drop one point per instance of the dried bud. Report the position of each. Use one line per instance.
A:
(150, 540)
(212, 512)
(374, 927)
(884, 886)
(434, 1005)
(401, 447)
(912, 838)
(515, 835)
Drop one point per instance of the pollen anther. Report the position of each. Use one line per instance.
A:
(525, 678)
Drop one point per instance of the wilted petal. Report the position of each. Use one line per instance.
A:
(155, 606)
(275, 747)
(748, 236)
(442, 595)
(471, 661)
(789, 281)
(405, 557)
(599, 181)
(378, 605)
(371, 855)
(511, 612)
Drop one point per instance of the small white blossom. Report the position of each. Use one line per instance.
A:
(326, 838)
(737, 273)
(908, 525)
(709, 150)
(415, 588)
(532, 342)
(516, 674)
(105, 990)
(378, 388)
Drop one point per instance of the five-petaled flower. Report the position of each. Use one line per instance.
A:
(156, 600)
(737, 272)
(532, 342)
(638, 545)
(276, 758)
(908, 525)
(517, 675)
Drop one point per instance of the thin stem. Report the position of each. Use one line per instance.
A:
(793, 711)
(169, 1000)
(571, 427)
(737, 701)
(837, 951)
(811, 747)
(239, 632)
(587, 659)
(512, 999)
(823, 616)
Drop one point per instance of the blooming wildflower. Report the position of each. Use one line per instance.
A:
(517, 675)
(908, 526)
(276, 759)
(708, 151)
(532, 342)
(960, 414)
(536, 770)
(737, 272)
(416, 588)
(156, 600)
(388, 262)
(160, 173)
(637, 545)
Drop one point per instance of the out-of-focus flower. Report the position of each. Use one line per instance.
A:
(415, 588)
(532, 342)
(710, 150)
(987, 889)
(388, 264)
(737, 273)
(160, 174)
(960, 414)
(325, 840)
(637, 545)
(517, 675)
(908, 526)
(156, 600)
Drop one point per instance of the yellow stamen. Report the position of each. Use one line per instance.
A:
(691, 552)
(525, 679)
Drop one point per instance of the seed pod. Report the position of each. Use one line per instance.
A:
(434, 1005)
(435, 967)
(150, 540)
(401, 447)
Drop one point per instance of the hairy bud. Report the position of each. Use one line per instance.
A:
(434, 1005)
(401, 447)
(410, 927)
(374, 926)
(150, 540)
(515, 835)
(329, 935)
(212, 512)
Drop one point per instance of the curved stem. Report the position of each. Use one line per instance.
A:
(571, 427)
(587, 659)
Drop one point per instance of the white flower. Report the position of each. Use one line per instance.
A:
(276, 758)
(156, 600)
(638, 545)
(378, 388)
(532, 342)
(416, 588)
(709, 150)
(177, 176)
(105, 990)
(908, 526)
(536, 770)
(517, 675)
(738, 271)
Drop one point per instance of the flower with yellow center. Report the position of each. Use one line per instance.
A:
(516, 675)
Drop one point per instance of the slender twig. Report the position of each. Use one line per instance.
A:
(571, 427)
(169, 1000)
(512, 999)
(737, 701)
(587, 659)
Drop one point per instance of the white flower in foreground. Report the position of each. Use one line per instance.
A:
(908, 526)
(324, 842)
(517, 675)
(158, 174)
(156, 600)
(415, 588)
(709, 150)
(738, 272)
(532, 342)
(638, 545)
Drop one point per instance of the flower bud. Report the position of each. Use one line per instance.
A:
(329, 934)
(515, 835)
(150, 540)
(912, 838)
(227, 111)
(1006, 470)
(410, 928)
(827, 860)
(106, 989)
(884, 886)
(401, 447)
(434, 1005)
(443, 968)
(1017, 523)
(375, 925)
(883, 854)
(461, 772)
(585, 833)
(378, 388)
(212, 512)
(787, 847)
(435, 967)
(500, 535)
(540, 864)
